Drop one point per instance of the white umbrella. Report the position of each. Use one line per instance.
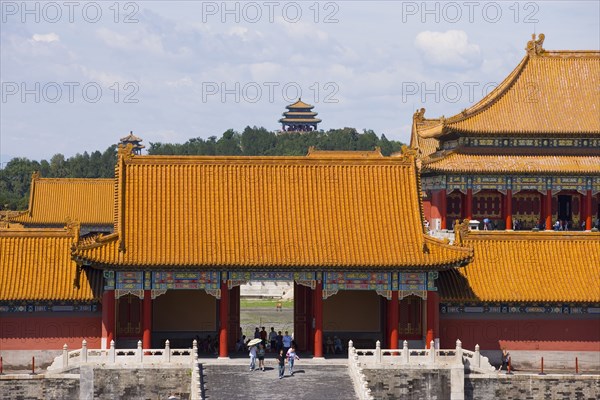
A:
(254, 342)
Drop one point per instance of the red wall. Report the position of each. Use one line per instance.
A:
(427, 210)
(49, 332)
(521, 334)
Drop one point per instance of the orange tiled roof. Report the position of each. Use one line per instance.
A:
(52, 201)
(527, 267)
(550, 92)
(245, 212)
(36, 264)
(299, 104)
(511, 163)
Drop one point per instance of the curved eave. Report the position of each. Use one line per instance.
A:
(434, 131)
(301, 120)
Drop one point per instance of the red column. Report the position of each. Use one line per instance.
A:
(318, 308)
(548, 209)
(108, 317)
(509, 209)
(469, 208)
(443, 208)
(223, 320)
(433, 314)
(588, 210)
(147, 320)
(393, 320)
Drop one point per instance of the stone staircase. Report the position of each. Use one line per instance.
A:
(311, 381)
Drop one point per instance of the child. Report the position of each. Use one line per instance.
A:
(291, 356)
(252, 355)
(281, 363)
(261, 357)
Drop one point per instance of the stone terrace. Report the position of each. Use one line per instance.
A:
(312, 380)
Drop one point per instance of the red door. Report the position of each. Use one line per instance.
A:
(129, 317)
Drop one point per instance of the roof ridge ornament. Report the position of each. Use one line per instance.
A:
(534, 47)
(125, 151)
(419, 115)
(460, 230)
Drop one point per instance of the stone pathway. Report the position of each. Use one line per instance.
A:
(312, 380)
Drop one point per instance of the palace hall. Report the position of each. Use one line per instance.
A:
(379, 248)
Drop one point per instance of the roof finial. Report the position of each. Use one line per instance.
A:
(534, 47)
(419, 115)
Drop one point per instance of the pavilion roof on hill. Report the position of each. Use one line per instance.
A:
(326, 211)
(53, 201)
(299, 112)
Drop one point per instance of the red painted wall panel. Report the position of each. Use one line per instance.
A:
(427, 209)
(37, 332)
(521, 334)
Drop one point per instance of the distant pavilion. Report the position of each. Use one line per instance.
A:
(136, 143)
(299, 118)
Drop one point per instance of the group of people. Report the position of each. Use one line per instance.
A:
(283, 345)
(272, 341)
(333, 346)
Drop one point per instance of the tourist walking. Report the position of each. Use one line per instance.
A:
(292, 356)
(281, 363)
(252, 355)
(260, 353)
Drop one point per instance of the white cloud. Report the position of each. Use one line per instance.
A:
(134, 40)
(186, 81)
(46, 38)
(448, 49)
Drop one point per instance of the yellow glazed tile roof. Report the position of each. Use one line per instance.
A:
(53, 201)
(245, 212)
(510, 163)
(553, 92)
(527, 267)
(299, 104)
(36, 264)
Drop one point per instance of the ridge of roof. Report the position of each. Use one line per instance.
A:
(313, 157)
(437, 128)
(35, 232)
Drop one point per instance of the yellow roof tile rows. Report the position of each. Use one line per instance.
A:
(299, 105)
(527, 267)
(474, 163)
(52, 201)
(36, 264)
(264, 212)
(554, 92)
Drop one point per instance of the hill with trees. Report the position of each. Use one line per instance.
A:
(15, 178)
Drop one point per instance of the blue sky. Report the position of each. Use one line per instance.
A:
(78, 76)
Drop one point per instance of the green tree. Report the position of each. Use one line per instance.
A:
(258, 141)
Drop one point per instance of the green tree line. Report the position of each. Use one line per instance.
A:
(15, 178)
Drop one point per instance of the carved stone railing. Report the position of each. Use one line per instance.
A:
(473, 361)
(359, 380)
(112, 356)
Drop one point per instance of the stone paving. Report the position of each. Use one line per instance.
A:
(312, 380)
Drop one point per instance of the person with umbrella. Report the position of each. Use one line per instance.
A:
(252, 345)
